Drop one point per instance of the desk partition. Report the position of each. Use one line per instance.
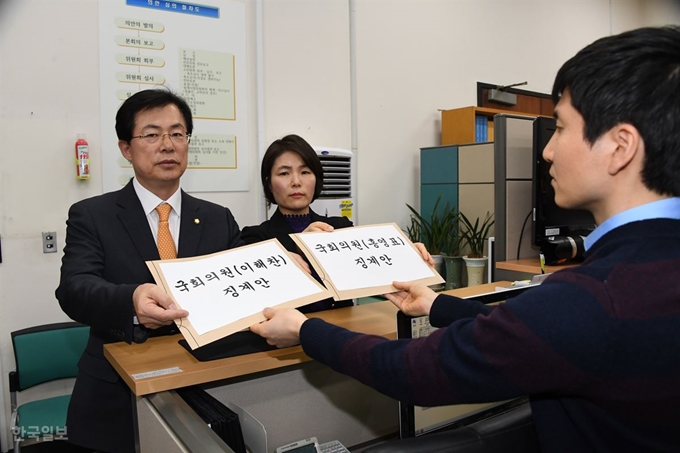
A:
(513, 161)
(169, 425)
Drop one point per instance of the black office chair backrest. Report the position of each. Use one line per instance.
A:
(510, 432)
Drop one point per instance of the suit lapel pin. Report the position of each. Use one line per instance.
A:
(197, 221)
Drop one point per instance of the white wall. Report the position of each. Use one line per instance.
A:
(306, 71)
(661, 12)
(418, 56)
(413, 57)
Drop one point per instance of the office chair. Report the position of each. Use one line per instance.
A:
(508, 432)
(43, 354)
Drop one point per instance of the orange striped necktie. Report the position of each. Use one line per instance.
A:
(166, 246)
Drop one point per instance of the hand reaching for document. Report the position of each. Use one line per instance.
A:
(414, 299)
(281, 328)
(154, 308)
(424, 254)
(317, 227)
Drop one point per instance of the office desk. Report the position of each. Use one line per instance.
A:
(525, 268)
(291, 395)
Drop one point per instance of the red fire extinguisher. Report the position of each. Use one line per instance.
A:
(82, 158)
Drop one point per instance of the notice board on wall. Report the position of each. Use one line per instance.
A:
(196, 50)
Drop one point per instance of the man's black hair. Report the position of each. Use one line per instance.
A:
(633, 78)
(146, 100)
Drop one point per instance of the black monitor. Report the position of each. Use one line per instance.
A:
(549, 220)
(416, 420)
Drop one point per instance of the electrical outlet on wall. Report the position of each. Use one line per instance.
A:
(49, 241)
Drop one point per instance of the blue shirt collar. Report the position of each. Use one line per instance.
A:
(668, 208)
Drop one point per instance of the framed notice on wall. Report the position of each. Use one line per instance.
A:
(196, 50)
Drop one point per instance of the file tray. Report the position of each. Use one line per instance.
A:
(239, 343)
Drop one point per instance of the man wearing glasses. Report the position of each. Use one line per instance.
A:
(104, 279)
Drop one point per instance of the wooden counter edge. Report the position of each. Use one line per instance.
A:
(530, 266)
(378, 318)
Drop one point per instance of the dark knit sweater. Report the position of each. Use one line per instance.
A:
(596, 347)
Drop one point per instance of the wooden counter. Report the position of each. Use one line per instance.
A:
(162, 353)
(165, 352)
(530, 266)
(335, 406)
(471, 291)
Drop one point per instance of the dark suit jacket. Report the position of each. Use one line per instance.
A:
(108, 241)
(277, 227)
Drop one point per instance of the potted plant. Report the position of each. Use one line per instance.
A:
(476, 235)
(434, 231)
(413, 230)
(453, 259)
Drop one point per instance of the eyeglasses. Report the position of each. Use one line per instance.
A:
(180, 138)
